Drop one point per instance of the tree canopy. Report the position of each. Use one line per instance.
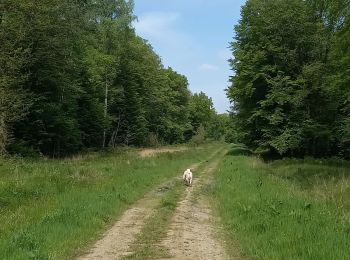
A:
(74, 75)
(290, 88)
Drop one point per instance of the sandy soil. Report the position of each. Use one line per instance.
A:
(192, 233)
(114, 244)
(152, 152)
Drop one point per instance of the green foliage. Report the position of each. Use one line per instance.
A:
(153, 140)
(201, 110)
(205, 122)
(219, 128)
(75, 76)
(288, 91)
(200, 136)
(14, 61)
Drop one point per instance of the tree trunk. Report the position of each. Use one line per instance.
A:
(114, 136)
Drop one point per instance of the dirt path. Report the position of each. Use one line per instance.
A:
(152, 152)
(115, 243)
(192, 233)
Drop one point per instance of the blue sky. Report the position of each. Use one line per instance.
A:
(192, 37)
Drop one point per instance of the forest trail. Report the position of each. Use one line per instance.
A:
(191, 234)
(116, 241)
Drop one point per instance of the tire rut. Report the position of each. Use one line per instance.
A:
(115, 243)
(192, 234)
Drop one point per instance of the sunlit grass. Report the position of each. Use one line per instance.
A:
(51, 209)
(289, 209)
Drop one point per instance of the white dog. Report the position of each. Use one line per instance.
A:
(187, 177)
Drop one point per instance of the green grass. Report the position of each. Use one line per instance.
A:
(52, 209)
(288, 209)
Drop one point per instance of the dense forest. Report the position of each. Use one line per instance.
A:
(74, 76)
(291, 85)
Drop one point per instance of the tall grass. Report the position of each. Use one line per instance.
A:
(289, 209)
(51, 209)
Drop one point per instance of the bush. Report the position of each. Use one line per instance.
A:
(199, 137)
(153, 140)
(21, 148)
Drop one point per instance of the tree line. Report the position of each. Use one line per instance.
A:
(291, 85)
(74, 76)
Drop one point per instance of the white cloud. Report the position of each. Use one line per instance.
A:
(163, 28)
(165, 33)
(206, 66)
(156, 24)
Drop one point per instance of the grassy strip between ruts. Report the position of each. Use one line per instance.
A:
(147, 245)
(274, 215)
(51, 209)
